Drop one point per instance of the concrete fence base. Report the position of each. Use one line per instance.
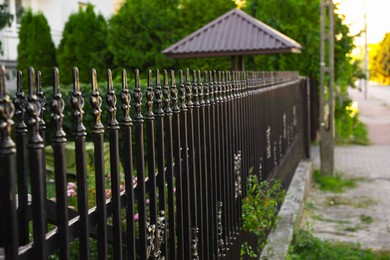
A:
(281, 236)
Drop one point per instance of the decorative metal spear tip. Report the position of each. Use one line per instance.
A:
(109, 80)
(137, 98)
(111, 102)
(181, 76)
(149, 95)
(96, 103)
(76, 81)
(124, 79)
(136, 75)
(194, 79)
(167, 94)
(125, 97)
(57, 105)
(7, 110)
(2, 82)
(19, 82)
(187, 74)
(31, 82)
(172, 77)
(94, 80)
(78, 104)
(56, 80)
(159, 93)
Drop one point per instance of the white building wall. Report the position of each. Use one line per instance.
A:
(56, 13)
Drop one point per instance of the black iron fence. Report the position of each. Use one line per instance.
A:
(179, 156)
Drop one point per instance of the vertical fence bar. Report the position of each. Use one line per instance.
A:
(170, 94)
(185, 167)
(178, 169)
(57, 106)
(42, 126)
(225, 174)
(20, 103)
(35, 148)
(204, 203)
(217, 152)
(209, 200)
(80, 133)
(197, 164)
(8, 217)
(126, 125)
(98, 132)
(160, 251)
(192, 170)
(113, 128)
(149, 121)
(140, 164)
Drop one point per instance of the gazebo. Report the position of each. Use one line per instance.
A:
(233, 34)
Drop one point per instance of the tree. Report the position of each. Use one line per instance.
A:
(36, 47)
(83, 44)
(140, 31)
(380, 64)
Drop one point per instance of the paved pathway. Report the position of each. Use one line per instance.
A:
(361, 214)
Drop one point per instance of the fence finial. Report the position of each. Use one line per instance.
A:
(174, 94)
(78, 104)
(167, 93)
(195, 89)
(111, 102)
(158, 93)
(150, 94)
(125, 98)
(183, 105)
(20, 102)
(57, 105)
(206, 91)
(188, 89)
(137, 98)
(42, 100)
(96, 103)
(7, 110)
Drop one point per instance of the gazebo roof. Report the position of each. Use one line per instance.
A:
(233, 34)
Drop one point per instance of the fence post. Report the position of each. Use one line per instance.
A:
(126, 125)
(80, 133)
(20, 102)
(9, 229)
(98, 135)
(57, 105)
(35, 148)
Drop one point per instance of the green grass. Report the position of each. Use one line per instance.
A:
(366, 219)
(306, 246)
(333, 183)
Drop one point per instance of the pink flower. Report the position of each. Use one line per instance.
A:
(71, 193)
(72, 185)
(147, 201)
(136, 216)
(121, 187)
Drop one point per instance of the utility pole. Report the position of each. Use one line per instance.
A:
(365, 53)
(327, 88)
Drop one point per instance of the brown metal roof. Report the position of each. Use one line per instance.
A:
(233, 34)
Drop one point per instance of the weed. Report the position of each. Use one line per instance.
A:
(305, 246)
(356, 202)
(333, 183)
(352, 228)
(337, 221)
(366, 219)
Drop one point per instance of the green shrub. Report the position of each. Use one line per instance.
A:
(349, 129)
(84, 45)
(259, 210)
(36, 47)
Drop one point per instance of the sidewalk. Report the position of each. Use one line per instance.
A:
(361, 214)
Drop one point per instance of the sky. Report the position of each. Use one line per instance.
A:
(378, 17)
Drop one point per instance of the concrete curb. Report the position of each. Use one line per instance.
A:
(279, 239)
